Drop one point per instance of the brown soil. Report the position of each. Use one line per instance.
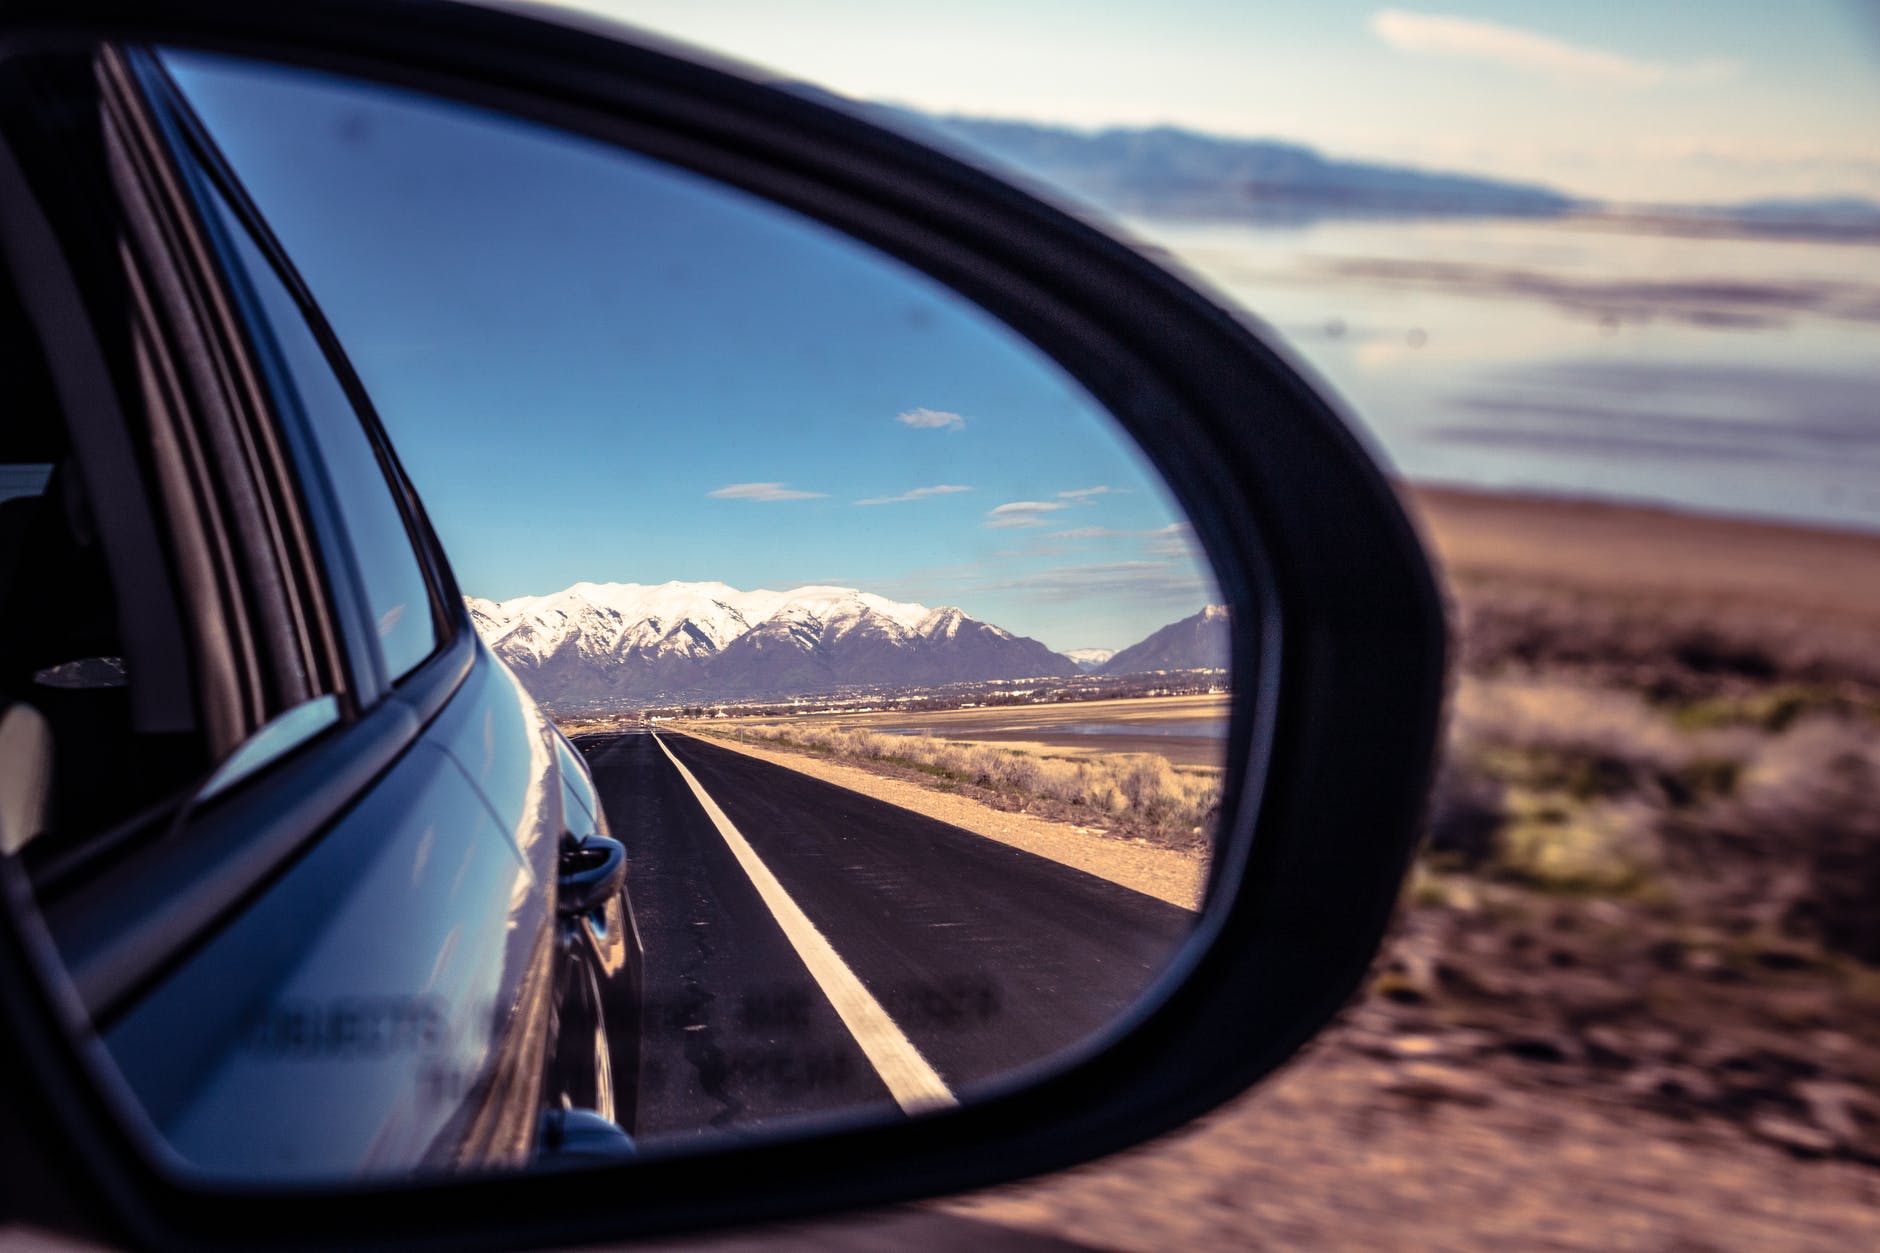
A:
(1349, 1151)
(1620, 549)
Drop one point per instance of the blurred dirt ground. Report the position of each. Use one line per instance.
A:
(1346, 1151)
(1633, 1000)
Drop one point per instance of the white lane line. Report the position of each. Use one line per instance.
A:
(913, 1083)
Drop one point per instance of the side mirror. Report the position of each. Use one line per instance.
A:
(593, 871)
(165, 963)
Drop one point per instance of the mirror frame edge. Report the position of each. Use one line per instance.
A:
(1356, 690)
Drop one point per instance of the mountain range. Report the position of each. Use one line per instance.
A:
(1195, 643)
(1168, 171)
(607, 642)
(1090, 660)
(627, 641)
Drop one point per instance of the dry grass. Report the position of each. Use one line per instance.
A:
(1745, 812)
(1139, 724)
(1795, 844)
(1140, 793)
(1651, 704)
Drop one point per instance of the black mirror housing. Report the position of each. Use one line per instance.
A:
(1338, 645)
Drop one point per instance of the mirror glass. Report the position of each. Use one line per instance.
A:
(885, 656)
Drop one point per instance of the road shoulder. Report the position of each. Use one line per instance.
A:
(1170, 875)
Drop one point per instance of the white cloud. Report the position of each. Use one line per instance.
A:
(1126, 582)
(1116, 580)
(930, 420)
(1028, 506)
(762, 491)
(1175, 540)
(1021, 513)
(919, 493)
(1437, 34)
(1081, 493)
(1033, 552)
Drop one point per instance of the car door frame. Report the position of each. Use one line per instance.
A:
(159, 901)
(127, 909)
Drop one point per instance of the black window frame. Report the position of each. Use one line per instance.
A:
(208, 174)
(136, 900)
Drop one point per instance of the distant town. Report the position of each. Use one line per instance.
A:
(883, 699)
(698, 649)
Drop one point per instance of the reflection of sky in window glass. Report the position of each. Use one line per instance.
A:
(23, 480)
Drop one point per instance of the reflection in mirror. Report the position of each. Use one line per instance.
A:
(892, 678)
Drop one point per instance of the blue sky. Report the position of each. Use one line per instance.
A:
(598, 368)
(1634, 100)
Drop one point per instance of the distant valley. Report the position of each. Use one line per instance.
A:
(602, 644)
(1090, 660)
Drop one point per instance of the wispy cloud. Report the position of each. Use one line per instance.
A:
(762, 491)
(919, 493)
(1436, 34)
(1021, 513)
(1034, 552)
(1174, 540)
(930, 420)
(1083, 493)
(1115, 580)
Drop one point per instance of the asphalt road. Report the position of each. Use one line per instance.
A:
(985, 957)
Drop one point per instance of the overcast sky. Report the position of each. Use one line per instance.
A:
(1660, 100)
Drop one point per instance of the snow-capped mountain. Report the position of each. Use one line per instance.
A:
(1089, 660)
(598, 642)
(1194, 643)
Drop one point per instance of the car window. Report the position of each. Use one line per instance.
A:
(62, 657)
(24, 480)
(336, 452)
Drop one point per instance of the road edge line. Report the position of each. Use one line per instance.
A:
(911, 1081)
